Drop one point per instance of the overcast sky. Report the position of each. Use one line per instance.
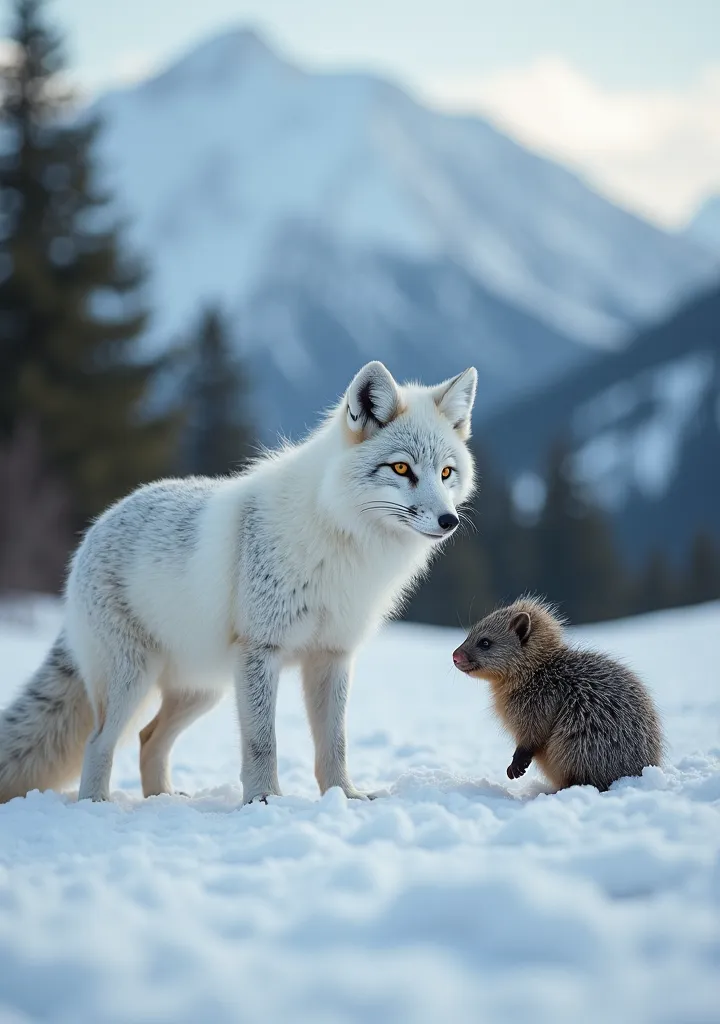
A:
(627, 91)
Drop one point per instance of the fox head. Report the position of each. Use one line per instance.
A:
(405, 466)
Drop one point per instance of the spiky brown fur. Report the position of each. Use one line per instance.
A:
(585, 719)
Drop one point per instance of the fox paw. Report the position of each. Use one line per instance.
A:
(357, 794)
(515, 770)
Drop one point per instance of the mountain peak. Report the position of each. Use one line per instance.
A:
(241, 43)
(219, 57)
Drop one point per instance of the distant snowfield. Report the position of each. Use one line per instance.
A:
(460, 897)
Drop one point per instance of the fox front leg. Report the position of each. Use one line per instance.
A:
(326, 683)
(257, 672)
(522, 758)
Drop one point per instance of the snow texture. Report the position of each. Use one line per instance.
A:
(459, 896)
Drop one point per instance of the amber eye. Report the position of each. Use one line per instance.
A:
(446, 472)
(401, 468)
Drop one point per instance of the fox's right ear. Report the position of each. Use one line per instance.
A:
(455, 398)
(521, 623)
(372, 401)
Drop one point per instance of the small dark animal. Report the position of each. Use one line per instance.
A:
(584, 718)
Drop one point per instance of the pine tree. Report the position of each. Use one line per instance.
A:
(34, 518)
(578, 563)
(702, 577)
(219, 435)
(71, 309)
(507, 544)
(657, 586)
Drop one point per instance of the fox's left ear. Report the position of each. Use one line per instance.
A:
(372, 400)
(455, 398)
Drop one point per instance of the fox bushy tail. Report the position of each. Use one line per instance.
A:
(43, 732)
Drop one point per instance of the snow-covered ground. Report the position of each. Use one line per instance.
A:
(460, 897)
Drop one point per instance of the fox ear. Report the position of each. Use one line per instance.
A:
(455, 398)
(521, 623)
(372, 401)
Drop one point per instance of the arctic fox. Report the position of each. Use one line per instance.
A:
(186, 584)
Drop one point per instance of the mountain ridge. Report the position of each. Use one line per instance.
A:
(230, 158)
(704, 227)
(642, 429)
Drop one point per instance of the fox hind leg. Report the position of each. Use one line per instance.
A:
(129, 675)
(178, 710)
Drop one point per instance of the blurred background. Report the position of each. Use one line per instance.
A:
(212, 214)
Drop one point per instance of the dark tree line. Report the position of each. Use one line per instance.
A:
(218, 437)
(80, 420)
(568, 553)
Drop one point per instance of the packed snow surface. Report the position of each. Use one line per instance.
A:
(457, 897)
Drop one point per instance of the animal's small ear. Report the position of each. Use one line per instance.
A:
(372, 401)
(521, 623)
(455, 398)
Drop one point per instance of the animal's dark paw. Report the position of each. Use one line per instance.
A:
(515, 770)
(261, 799)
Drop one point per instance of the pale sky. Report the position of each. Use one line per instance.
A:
(625, 91)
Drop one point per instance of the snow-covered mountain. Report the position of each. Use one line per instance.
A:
(643, 427)
(704, 228)
(336, 218)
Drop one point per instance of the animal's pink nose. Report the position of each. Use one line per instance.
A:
(460, 658)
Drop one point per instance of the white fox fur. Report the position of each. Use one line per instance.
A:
(186, 584)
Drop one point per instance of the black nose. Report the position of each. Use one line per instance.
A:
(447, 521)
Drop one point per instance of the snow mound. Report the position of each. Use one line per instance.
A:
(457, 897)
